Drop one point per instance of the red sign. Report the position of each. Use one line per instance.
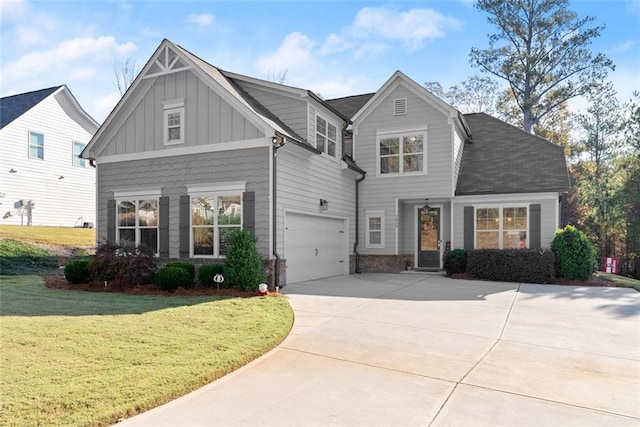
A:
(610, 265)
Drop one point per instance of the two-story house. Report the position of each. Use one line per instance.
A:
(44, 181)
(362, 183)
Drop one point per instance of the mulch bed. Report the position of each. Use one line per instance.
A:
(57, 281)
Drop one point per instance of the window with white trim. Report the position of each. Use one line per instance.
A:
(216, 211)
(77, 148)
(326, 136)
(174, 122)
(374, 228)
(502, 227)
(36, 145)
(401, 154)
(137, 222)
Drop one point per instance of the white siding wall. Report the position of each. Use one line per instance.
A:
(58, 202)
(381, 192)
(208, 118)
(304, 178)
(548, 214)
(458, 147)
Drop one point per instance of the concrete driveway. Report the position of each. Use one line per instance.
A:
(410, 349)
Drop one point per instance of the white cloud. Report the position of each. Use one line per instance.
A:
(85, 73)
(374, 29)
(64, 56)
(12, 9)
(202, 19)
(622, 47)
(294, 54)
(103, 105)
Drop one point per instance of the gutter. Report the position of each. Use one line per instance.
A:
(355, 244)
(277, 141)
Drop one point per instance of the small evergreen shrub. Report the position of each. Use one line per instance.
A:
(243, 262)
(208, 271)
(122, 266)
(187, 266)
(455, 262)
(576, 256)
(77, 271)
(512, 265)
(171, 278)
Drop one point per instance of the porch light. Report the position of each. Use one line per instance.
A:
(277, 141)
(324, 204)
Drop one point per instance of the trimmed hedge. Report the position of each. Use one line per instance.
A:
(187, 266)
(512, 265)
(576, 257)
(208, 271)
(171, 278)
(455, 262)
(77, 271)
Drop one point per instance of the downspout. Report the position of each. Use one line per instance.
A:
(278, 142)
(355, 245)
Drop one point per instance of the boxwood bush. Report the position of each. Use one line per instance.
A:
(512, 265)
(576, 257)
(207, 272)
(171, 278)
(455, 262)
(187, 266)
(243, 262)
(77, 271)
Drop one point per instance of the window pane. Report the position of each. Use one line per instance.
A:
(229, 210)
(487, 240)
(202, 210)
(389, 146)
(203, 241)
(331, 148)
(126, 214)
(487, 219)
(174, 134)
(514, 240)
(148, 213)
(224, 238)
(375, 223)
(77, 149)
(36, 145)
(320, 142)
(173, 119)
(390, 164)
(412, 163)
(331, 132)
(149, 238)
(412, 144)
(375, 237)
(321, 125)
(127, 237)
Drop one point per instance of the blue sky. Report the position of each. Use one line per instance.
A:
(334, 48)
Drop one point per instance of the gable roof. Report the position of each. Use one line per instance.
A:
(12, 107)
(502, 159)
(350, 105)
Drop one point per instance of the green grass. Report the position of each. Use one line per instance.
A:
(63, 236)
(623, 281)
(18, 257)
(82, 358)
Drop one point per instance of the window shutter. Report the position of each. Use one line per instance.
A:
(468, 227)
(399, 106)
(111, 220)
(249, 211)
(535, 226)
(184, 226)
(163, 227)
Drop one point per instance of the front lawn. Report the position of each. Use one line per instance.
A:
(84, 358)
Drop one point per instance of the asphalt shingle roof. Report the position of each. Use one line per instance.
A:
(502, 159)
(349, 105)
(12, 107)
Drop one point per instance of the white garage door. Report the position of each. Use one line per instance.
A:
(314, 247)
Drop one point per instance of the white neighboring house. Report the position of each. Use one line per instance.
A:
(43, 181)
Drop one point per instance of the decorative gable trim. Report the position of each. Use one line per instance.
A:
(167, 61)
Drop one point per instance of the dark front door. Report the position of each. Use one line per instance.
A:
(429, 238)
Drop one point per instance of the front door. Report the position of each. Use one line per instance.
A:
(429, 238)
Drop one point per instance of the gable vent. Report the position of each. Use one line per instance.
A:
(399, 106)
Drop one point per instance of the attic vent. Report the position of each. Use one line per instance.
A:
(399, 106)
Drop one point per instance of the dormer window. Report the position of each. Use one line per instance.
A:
(326, 136)
(174, 122)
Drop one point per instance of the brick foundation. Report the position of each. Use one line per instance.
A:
(384, 263)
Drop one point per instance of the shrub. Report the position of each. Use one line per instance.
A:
(455, 261)
(512, 265)
(77, 271)
(171, 278)
(576, 257)
(208, 271)
(122, 265)
(187, 266)
(243, 262)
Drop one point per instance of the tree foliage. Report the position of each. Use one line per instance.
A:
(540, 49)
(477, 94)
(125, 72)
